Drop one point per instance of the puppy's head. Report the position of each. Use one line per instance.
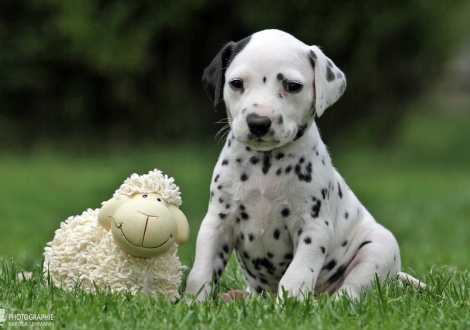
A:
(272, 85)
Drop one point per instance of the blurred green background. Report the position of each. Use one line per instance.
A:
(93, 91)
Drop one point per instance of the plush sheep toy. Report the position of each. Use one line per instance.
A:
(129, 244)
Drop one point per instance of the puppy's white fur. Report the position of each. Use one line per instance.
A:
(275, 197)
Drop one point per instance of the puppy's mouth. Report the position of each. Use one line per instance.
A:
(261, 144)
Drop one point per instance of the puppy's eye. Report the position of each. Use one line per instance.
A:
(159, 199)
(236, 84)
(145, 195)
(293, 87)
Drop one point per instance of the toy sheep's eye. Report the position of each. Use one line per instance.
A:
(145, 195)
(236, 84)
(159, 199)
(293, 87)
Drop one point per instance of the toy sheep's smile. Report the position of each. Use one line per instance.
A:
(148, 216)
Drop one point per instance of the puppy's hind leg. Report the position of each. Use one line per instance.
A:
(376, 254)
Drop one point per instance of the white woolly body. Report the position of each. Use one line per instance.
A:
(84, 254)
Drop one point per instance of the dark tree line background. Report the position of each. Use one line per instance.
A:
(129, 71)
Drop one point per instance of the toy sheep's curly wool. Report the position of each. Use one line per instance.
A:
(84, 253)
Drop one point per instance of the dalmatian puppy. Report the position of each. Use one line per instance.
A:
(275, 197)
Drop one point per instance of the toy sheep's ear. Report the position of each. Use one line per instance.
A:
(108, 209)
(181, 223)
(330, 82)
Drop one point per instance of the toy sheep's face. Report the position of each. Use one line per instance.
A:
(144, 225)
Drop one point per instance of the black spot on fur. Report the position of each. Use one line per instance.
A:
(264, 79)
(285, 212)
(288, 169)
(263, 280)
(340, 193)
(277, 233)
(212, 195)
(251, 237)
(242, 236)
(242, 207)
(254, 160)
(312, 53)
(222, 215)
(221, 200)
(344, 243)
(279, 155)
(338, 274)
(227, 206)
(239, 160)
(315, 208)
(279, 171)
(216, 178)
(258, 263)
(362, 244)
(280, 120)
(330, 76)
(225, 162)
(246, 255)
(288, 256)
(280, 95)
(248, 149)
(251, 274)
(280, 76)
(346, 215)
(244, 177)
(307, 240)
(330, 265)
(323, 193)
(322, 249)
(304, 173)
(300, 131)
(220, 187)
(270, 255)
(244, 215)
(342, 87)
(301, 230)
(266, 162)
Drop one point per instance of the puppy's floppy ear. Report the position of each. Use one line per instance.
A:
(213, 78)
(329, 83)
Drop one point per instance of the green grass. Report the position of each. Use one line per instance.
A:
(419, 188)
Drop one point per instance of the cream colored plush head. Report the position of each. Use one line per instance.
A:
(143, 222)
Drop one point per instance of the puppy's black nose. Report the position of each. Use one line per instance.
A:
(258, 125)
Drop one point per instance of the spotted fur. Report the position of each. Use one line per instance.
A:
(276, 199)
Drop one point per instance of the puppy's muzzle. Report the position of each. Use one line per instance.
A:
(258, 125)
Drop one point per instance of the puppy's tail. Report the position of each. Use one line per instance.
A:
(405, 278)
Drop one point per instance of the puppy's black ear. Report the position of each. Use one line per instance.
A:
(213, 78)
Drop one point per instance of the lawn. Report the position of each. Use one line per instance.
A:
(419, 188)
